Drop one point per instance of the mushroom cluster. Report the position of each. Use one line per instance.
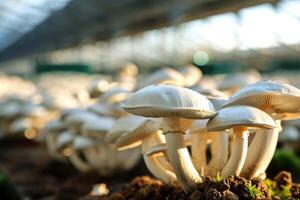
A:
(184, 125)
(256, 109)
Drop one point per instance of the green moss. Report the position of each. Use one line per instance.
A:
(253, 190)
(284, 192)
(218, 178)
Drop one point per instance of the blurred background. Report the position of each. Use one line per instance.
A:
(67, 54)
(219, 36)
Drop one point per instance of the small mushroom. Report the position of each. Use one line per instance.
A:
(191, 74)
(199, 138)
(178, 107)
(147, 135)
(239, 119)
(79, 144)
(281, 102)
(164, 75)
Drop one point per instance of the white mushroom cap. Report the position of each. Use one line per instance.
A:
(106, 109)
(205, 83)
(133, 138)
(165, 75)
(10, 109)
(68, 111)
(233, 116)
(284, 99)
(76, 119)
(130, 69)
(31, 110)
(159, 148)
(191, 74)
(115, 95)
(54, 125)
(20, 125)
(289, 133)
(123, 125)
(216, 97)
(64, 139)
(97, 127)
(98, 87)
(169, 101)
(82, 142)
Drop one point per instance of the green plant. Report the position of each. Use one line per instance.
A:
(284, 192)
(253, 190)
(218, 178)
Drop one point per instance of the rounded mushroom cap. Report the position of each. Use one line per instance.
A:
(159, 148)
(82, 142)
(284, 99)
(216, 97)
(129, 69)
(55, 126)
(115, 95)
(97, 127)
(10, 109)
(20, 125)
(198, 125)
(64, 139)
(97, 87)
(76, 119)
(191, 74)
(123, 125)
(234, 116)
(134, 138)
(106, 109)
(169, 101)
(165, 75)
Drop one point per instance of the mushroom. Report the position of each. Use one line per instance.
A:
(52, 129)
(77, 157)
(20, 125)
(115, 95)
(281, 102)
(239, 119)
(199, 139)
(96, 129)
(164, 75)
(147, 135)
(191, 74)
(105, 109)
(178, 107)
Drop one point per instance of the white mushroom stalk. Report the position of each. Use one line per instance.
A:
(199, 138)
(219, 152)
(79, 144)
(280, 101)
(239, 118)
(178, 107)
(147, 135)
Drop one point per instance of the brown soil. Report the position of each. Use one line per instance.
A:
(231, 188)
(37, 175)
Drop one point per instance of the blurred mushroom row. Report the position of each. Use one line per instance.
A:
(184, 125)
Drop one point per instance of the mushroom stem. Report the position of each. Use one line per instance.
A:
(51, 145)
(261, 151)
(78, 162)
(219, 152)
(181, 162)
(198, 149)
(238, 152)
(154, 162)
